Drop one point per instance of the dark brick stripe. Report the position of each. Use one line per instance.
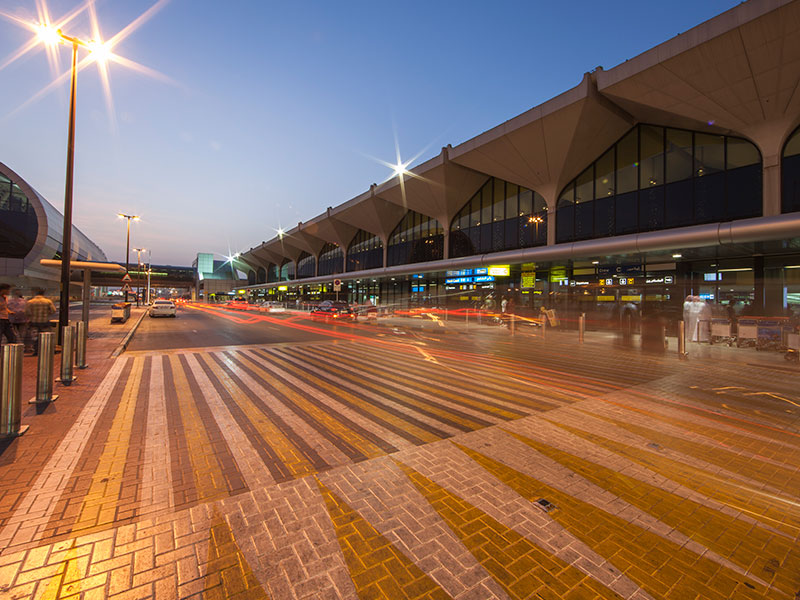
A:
(478, 390)
(183, 486)
(396, 412)
(305, 449)
(387, 378)
(349, 423)
(130, 489)
(221, 451)
(279, 471)
(348, 450)
(390, 396)
(68, 507)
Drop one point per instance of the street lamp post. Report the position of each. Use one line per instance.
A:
(127, 244)
(138, 273)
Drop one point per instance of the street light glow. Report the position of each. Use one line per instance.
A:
(100, 51)
(48, 34)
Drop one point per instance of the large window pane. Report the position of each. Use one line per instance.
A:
(626, 213)
(652, 157)
(525, 203)
(512, 191)
(628, 162)
(604, 175)
(709, 198)
(678, 205)
(709, 154)
(584, 184)
(499, 208)
(742, 153)
(486, 204)
(679, 155)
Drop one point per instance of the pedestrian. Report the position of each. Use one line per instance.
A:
(5, 325)
(18, 317)
(39, 309)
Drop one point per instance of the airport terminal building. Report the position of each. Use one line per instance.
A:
(30, 230)
(674, 173)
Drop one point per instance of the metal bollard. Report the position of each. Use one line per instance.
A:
(681, 340)
(467, 313)
(44, 369)
(10, 392)
(513, 324)
(581, 326)
(80, 346)
(67, 355)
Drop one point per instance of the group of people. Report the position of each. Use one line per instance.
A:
(697, 318)
(22, 320)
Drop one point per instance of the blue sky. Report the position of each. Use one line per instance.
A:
(269, 112)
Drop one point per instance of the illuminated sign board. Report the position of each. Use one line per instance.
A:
(558, 274)
(483, 278)
(500, 270)
(283, 288)
(619, 270)
(665, 279)
(477, 279)
(528, 280)
(461, 273)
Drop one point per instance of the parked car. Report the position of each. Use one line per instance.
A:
(163, 308)
(333, 310)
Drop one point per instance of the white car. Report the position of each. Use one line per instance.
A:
(163, 308)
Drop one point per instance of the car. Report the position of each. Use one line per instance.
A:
(163, 308)
(333, 310)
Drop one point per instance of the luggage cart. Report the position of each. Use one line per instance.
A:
(721, 332)
(770, 334)
(747, 333)
(792, 347)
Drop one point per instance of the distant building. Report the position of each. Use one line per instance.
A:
(30, 230)
(214, 278)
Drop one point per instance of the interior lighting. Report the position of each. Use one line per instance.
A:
(733, 270)
(595, 262)
(677, 256)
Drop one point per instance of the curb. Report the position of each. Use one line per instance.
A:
(127, 340)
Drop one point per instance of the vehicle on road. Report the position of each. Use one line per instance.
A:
(333, 310)
(163, 308)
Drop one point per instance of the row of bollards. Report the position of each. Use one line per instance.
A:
(73, 350)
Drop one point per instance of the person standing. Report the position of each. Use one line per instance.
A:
(5, 325)
(18, 317)
(39, 310)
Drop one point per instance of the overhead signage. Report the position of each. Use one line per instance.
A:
(500, 270)
(283, 288)
(460, 273)
(528, 280)
(665, 279)
(558, 274)
(476, 279)
(483, 278)
(620, 270)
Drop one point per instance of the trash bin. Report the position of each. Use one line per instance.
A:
(120, 312)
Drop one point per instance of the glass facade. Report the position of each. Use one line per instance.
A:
(20, 227)
(331, 260)
(417, 238)
(790, 169)
(365, 252)
(251, 277)
(287, 271)
(306, 265)
(261, 275)
(500, 216)
(658, 178)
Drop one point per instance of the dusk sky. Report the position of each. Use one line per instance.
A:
(266, 113)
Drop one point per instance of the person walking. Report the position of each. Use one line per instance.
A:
(39, 310)
(5, 325)
(18, 317)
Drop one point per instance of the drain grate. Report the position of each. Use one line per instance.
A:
(654, 445)
(546, 505)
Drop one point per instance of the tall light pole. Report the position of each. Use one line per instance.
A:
(128, 244)
(138, 273)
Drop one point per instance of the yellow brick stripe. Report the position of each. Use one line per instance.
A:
(327, 421)
(228, 574)
(99, 506)
(287, 452)
(751, 467)
(209, 480)
(661, 567)
(521, 568)
(378, 569)
(767, 508)
(767, 556)
(387, 372)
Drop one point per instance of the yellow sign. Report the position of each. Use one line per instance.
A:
(500, 270)
(528, 280)
(637, 298)
(283, 288)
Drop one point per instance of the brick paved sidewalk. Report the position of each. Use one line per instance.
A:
(373, 469)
